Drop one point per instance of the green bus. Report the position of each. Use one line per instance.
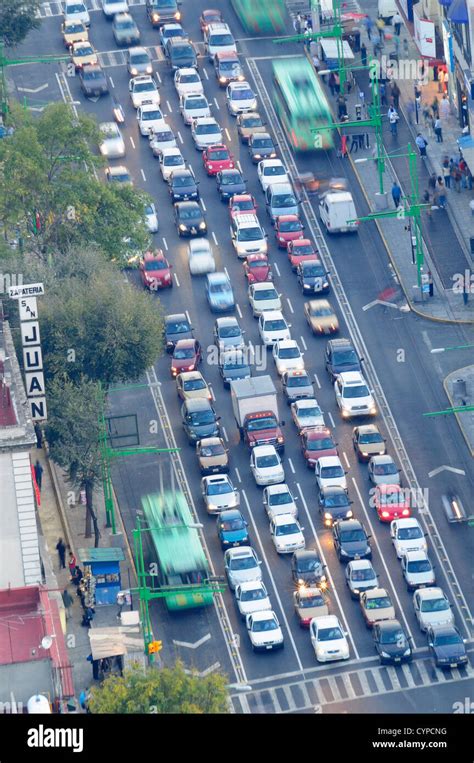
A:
(300, 104)
(181, 559)
(261, 16)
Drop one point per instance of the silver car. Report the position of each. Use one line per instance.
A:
(227, 334)
(139, 61)
(241, 564)
(205, 132)
(125, 30)
(218, 493)
(383, 471)
(112, 145)
(306, 414)
(360, 576)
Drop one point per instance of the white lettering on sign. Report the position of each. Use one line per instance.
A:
(30, 333)
(32, 359)
(28, 309)
(26, 290)
(34, 382)
(38, 408)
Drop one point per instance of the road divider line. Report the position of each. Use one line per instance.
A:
(290, 464)
(165, 243)
(316, 379)
(224, 434)
(215, 239)
(239, 166)
(157, 75)
(176, 279)
(228, 134)
(203, 205)
(168, 106)
(111, 82)
(217, 105)
(132, 142)
(275, 265)
(237, 474)
(290, 305)
(143, 176)
(237, 307)
(205, 73)
(331, 419)
(344, 455)
(187, 316)
(180, 138)
(305, 346)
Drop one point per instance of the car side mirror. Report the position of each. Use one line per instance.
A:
(260, 563)
(218, 418)
(369, 536)
(361, 360)
(430, 643)
(346, 472)
(282, 423)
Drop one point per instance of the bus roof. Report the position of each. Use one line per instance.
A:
(300, 86)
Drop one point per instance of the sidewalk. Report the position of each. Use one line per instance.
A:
(457, 397)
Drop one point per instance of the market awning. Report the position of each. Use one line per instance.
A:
(329, 47)
(458, 12)
(115, 641)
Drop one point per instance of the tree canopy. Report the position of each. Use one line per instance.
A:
(17, 19)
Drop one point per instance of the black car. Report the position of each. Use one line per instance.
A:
(182, 186)
(230, 183)
(446, 646)
(177, 327)
(391, 642)
(313, 277)
(180, 53)
(261, 146)
(189, 219)
(161, 12)
(351, 540)
(334, 504)
(199, 419)
(233, 364)
(341, 357)
(307, 568)
(93, 81)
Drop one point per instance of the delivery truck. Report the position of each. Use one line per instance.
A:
(255, 407)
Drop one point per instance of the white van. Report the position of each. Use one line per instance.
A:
(336, 209)
(386, 10)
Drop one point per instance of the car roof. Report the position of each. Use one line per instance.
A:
(443, 628)
(242, 220)
(190, 375)
(347, 524)
(282, 188)
(207, 441)
(187, 204)
(374, 593)
(340, 343)
(241, 551)
(123, 17)
(389, 625)
(434, 592)
(175, 317)
(196, 403)
(227, 55)
(415, 556)
(206, 121)
(264, 614)
(287, 343)
(248, 585)
(328, 621)
(317, 433)
(228, 320)
(271, 315)
(331, 489)
(185, 343)
(142, 77)
(216, 479)
(308, 402)
(306, 553)
(283, 519)
(264, 450)
(339, 197)
(244, 85)
(187, 70)
(230, 171)
(386, 459)
(407, 522)
(263, 286)
(138, 49)
(330, 461)
(217, 278)
(174, 151)
(352, 377)
(368, 429)
(360, 564)
(218, 26)
(282, 487)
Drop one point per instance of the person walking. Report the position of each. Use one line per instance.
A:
(61, 549)
(68, 601)
(446, 171)
(430, 283)
(397, 23)
(341, 107)
(427, 200)
(380, 24)
(383, 94)
(438, 130)
(435, 107)
(363, 54)
(444, 107)
(457, 179)
(432, 182)
(421, 142)
(38, 474)
(463, 170)
(406, 48)
(39, 435)
(393, 118)
(332, 83)
(395, 93)
(72, 563)
(410, 111)
(396, 194)
(440, 187)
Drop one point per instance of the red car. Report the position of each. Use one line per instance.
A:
(186, 356)
(210, 16)
(155, 271)
(391, 502)
(257, 268)
(216, 158)
(242, 203)
(300, 250)
(288, 228)
(315, 443)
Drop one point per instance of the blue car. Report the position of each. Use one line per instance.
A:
(232, 529)
(219, 293)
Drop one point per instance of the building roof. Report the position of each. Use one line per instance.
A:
(16, 426)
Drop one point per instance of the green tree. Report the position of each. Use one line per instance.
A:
(17, 19)
(73, 433)
(161, 690)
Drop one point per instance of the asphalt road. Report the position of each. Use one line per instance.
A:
(397, 359)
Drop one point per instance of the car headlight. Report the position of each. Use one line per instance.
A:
(182, 227)
(349, 513)
(211, 506)
(385, 654)
(385, 514)
(280, 439)
(149, 69)
(156, 16)
(373, 409)
(355, 590)
(202, 225)
(364, 454)
(222, 79)
(344, 553)
(267, 338)
(177, 15)
(134, 71)
(345, 413)
(407, 652)
(327, 515)
(257, 156)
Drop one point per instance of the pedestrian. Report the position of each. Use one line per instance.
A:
(68, 601)
(410, 111)
(421, 142)
(337, 83)
(440, 187)
(427, 200)
(444, 107)
(457, 179)
(396, 194)
(39, 435)
(297, 23)
(61, 549)
(363, 54)
(432, 182)
(383, 94)
(395, 93)
(435, 107)
(393, 118)
(38, 474)
(463, 170)
(341, 107)
(72, 564)
(84, 697)
(446, 171)
(332, 83)
(121, 601)
(397, 23)
(464, 111)
(438, 130)
(316, 63)
(380, 24)
(430, 284)
(427, 119)
(405, 47)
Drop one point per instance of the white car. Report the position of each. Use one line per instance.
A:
(407, 535)
(417, 570)
(139, 61)
(170, 159)
(241, 564)
(240, 98)
(205, 132)
(286, 533)
(263, 296)
(248, 236)
(273, 327)
(266, 465)
(307, 414)
(328, 639)
(112, 145)
(277, 499)
(353, 396)
(143, 90)
(218, 39)
(272, 171)
(287, 356)
(360, 577)
(112, 7)
(329, 472)
(187, 80)
(252, 597)
(218, 493)
(76, 10)
(194, 106)
(150, 118)
(382, 470)
(264, 631)
(200, 257)
(432, 607)
(163, 139)
(151, 218)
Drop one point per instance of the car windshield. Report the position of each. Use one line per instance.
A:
(193, 213)
(187, 352)
(163, 136)
(345, 357)
(196, 103)
(234, 364)
(262, 143)
(395, 636)
(289, 529)
(373, 437)
(289, 352)
(242, 206)
(242, 563)
(250, 234)
(231, 67)
(389, 468)
(229, 525)
(393, 498)
(143, 87)
(219, 288)
(299, 249)
(83, 51)
(202, 417)
(312, 564)
(326, 443)
(330, 472)
(186, 79)
(434, 605)
(265, 294)
(219, 488)
(277, 325)
(359, 391)
(409, 533)
(231, 178)
(352, 536)
(77, 8)
(273, 169)
(173, 33)
(321, 312)
(128, 24)
(194, 384)
(225, 332)
(221, 39)
(182, 51)
(305, 602)
(172, 160)
(378, 603)
(336, 499)
(307, 412)
(122, 177)
(148, 116)
(366, 574)
(93, 74)
(177, 328)
(288, 200)
(313, 271)
(212, 450)
(329, 634)
(289, 226)
(445, 639)
(157, 265)
(180, 181)
(72, 28)
(139, 58)
(420, 565)
(150, 210)
(242, 95)
(257, 425)
(266, 462)
(208, 129)
(298, 381)
(219, 155)
(261, 626)
(279, 499)
(258, 264)
(255, 594)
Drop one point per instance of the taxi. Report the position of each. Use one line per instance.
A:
(82, 54)
(309, 602)
(74, 31)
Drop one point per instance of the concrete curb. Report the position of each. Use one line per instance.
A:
(59, 500)
(446, 381)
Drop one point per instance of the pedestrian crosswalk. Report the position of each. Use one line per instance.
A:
(56, 9)
(117, 57)
(345, 686)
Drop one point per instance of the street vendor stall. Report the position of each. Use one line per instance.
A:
(104, 579)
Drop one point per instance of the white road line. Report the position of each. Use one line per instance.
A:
(237, 473)
(228, 134)
(275, 589)
(143, 176)
(290, 464)
(239, 167)
(180, 137)
(157, 75)
(316, 379)
(168, 106)
(237, 307)
(212, 393)
(333, 423)
(215, 239)
(205, 73)
(275, 265)
(382, 558)
(132, 142)
(332, 588)
(344, 455)
(251, 349)
(111, 81)
(290, 305)
(187, 316)
(217, 105)
(203, 205)
(305, 346)
(176, 279)
(165, 243)
(224, 434)
(227, 273)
